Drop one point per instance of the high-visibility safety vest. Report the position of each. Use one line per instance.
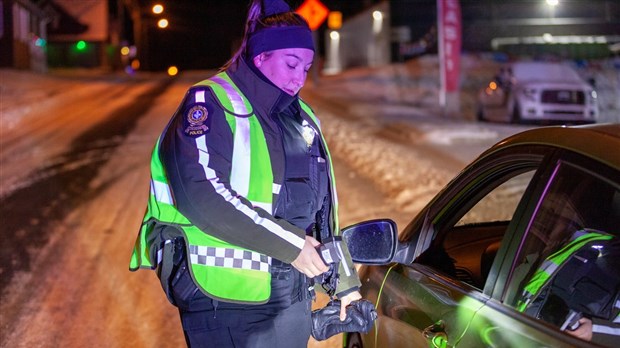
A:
(554, 262)
(221, 270)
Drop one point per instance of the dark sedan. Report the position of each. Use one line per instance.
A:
(521, 249)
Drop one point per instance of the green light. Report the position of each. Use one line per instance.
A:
(80, 45)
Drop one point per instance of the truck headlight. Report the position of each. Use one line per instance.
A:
(592, 97)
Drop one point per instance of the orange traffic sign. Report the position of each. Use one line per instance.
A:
(314, 12)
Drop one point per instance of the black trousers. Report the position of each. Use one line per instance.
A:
(284, 321)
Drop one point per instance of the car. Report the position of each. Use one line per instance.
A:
(464, 271)
(540, 93)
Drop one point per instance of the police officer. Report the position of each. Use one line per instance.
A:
(242, 192)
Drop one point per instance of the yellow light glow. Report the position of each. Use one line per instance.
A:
(334, 20)
(493, 85)
(157, 9)
(172, 70)
(125, 50)
(162, 23)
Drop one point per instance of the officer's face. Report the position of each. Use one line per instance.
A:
(286, 68)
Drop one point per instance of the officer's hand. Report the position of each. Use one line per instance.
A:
(345, 301)
(584, 331)
(309, 262)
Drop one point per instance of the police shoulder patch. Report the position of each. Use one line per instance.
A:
(196, 118)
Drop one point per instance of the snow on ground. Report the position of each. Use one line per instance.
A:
(394, 167)
(25, 94)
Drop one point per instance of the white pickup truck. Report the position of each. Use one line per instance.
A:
(538, 92)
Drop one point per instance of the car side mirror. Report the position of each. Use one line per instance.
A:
(372, 242)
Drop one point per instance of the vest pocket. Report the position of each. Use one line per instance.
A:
(319, 179)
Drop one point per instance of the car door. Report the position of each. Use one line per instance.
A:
(453, 242)
(580, 197)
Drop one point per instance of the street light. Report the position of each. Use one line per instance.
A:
(552, 5)
(158, 9)
(162, 23)
(377, 21)
(172, 70)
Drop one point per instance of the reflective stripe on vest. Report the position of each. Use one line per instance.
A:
(161, 191)
(553, 263)
(250, 147)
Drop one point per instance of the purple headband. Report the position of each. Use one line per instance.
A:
(275, 38)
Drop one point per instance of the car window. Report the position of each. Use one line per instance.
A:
(568, 264)
(467, 248)
(500, 204)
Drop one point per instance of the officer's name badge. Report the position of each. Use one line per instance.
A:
(197, 116)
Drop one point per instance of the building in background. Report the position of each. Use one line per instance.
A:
(362, 40)
(23, 33)
(535, 28)
(81, 37)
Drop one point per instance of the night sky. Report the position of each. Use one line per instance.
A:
(203, 33)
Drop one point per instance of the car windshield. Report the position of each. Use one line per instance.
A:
(546, 71)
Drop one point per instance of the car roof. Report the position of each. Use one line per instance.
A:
(599, 141)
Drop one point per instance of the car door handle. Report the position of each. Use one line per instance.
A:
(436, 334)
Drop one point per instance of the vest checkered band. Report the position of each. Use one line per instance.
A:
(229, 258)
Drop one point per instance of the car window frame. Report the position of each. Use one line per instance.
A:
(459, 194)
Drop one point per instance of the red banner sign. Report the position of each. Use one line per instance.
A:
(449, 18)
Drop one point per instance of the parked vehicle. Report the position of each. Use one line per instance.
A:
(538, 92)
(466, 271)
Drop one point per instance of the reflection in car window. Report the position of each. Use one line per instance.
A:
(567, 270)
(499, 204)
(467, 250)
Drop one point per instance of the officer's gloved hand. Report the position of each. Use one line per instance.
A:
(361, 315)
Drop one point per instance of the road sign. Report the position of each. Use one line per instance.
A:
(314, 12)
